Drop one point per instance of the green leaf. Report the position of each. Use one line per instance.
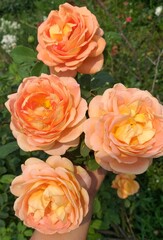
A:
(92, 165)
(4, 197)
(96, 206)
(21, 54)
(3, 215)
(8, 148)
(84, 81)
(84, 150)
(21, 236)
(39, 68)
(3, 170)
(28, 233)
(21, 227)
(7, 178)
(101, 79)
(96, 224)
(2, 223)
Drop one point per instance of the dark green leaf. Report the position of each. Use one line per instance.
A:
(8, 148)
(3, 215)
(25, 69)
(84, 81)
(101, 79)
(85, 94)
(2, 223)
(7, 178)
(39, 68)
(21, 54)
(3, 170)
(96, 206)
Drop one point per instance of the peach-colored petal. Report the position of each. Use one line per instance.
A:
(89, 127)
(95, 107)
(61, 148)
(72, 133)
(82, 107)
(16, 185)
(136, 168)
(69, 73)
(100, 46)
(57, 161)
(91, 65)
(23, 143)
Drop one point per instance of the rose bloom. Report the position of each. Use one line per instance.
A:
(52, 195)
(125, 185)
(125, 129)
(70, 41)
(47, 113)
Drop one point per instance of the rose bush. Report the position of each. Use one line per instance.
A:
(125, 185)
(47, 113)
(52, 195)
(125, 129)
(70, 41)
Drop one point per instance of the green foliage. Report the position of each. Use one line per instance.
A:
(21, 54)
(39, 68)
(155, 175)
(15, 6)
(92, 164)
(84, 150)
(7, 149)
(15, 232)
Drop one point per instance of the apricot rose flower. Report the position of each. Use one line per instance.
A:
(52, 195)
(125, 185)
(70, 41)
(47, 113)
(125, 129)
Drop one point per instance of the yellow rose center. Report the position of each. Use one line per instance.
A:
(58, 33)
(51, 201)
(137, 129)
(40, 110)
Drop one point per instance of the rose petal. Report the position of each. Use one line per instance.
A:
(91, 65)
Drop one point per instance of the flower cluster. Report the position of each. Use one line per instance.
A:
(124, 128)
(8, 42)
(8, 34)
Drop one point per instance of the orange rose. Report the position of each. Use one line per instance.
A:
(125, 129)
(70, 41)
(52, 195)
(47, 113)
(125, 185)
